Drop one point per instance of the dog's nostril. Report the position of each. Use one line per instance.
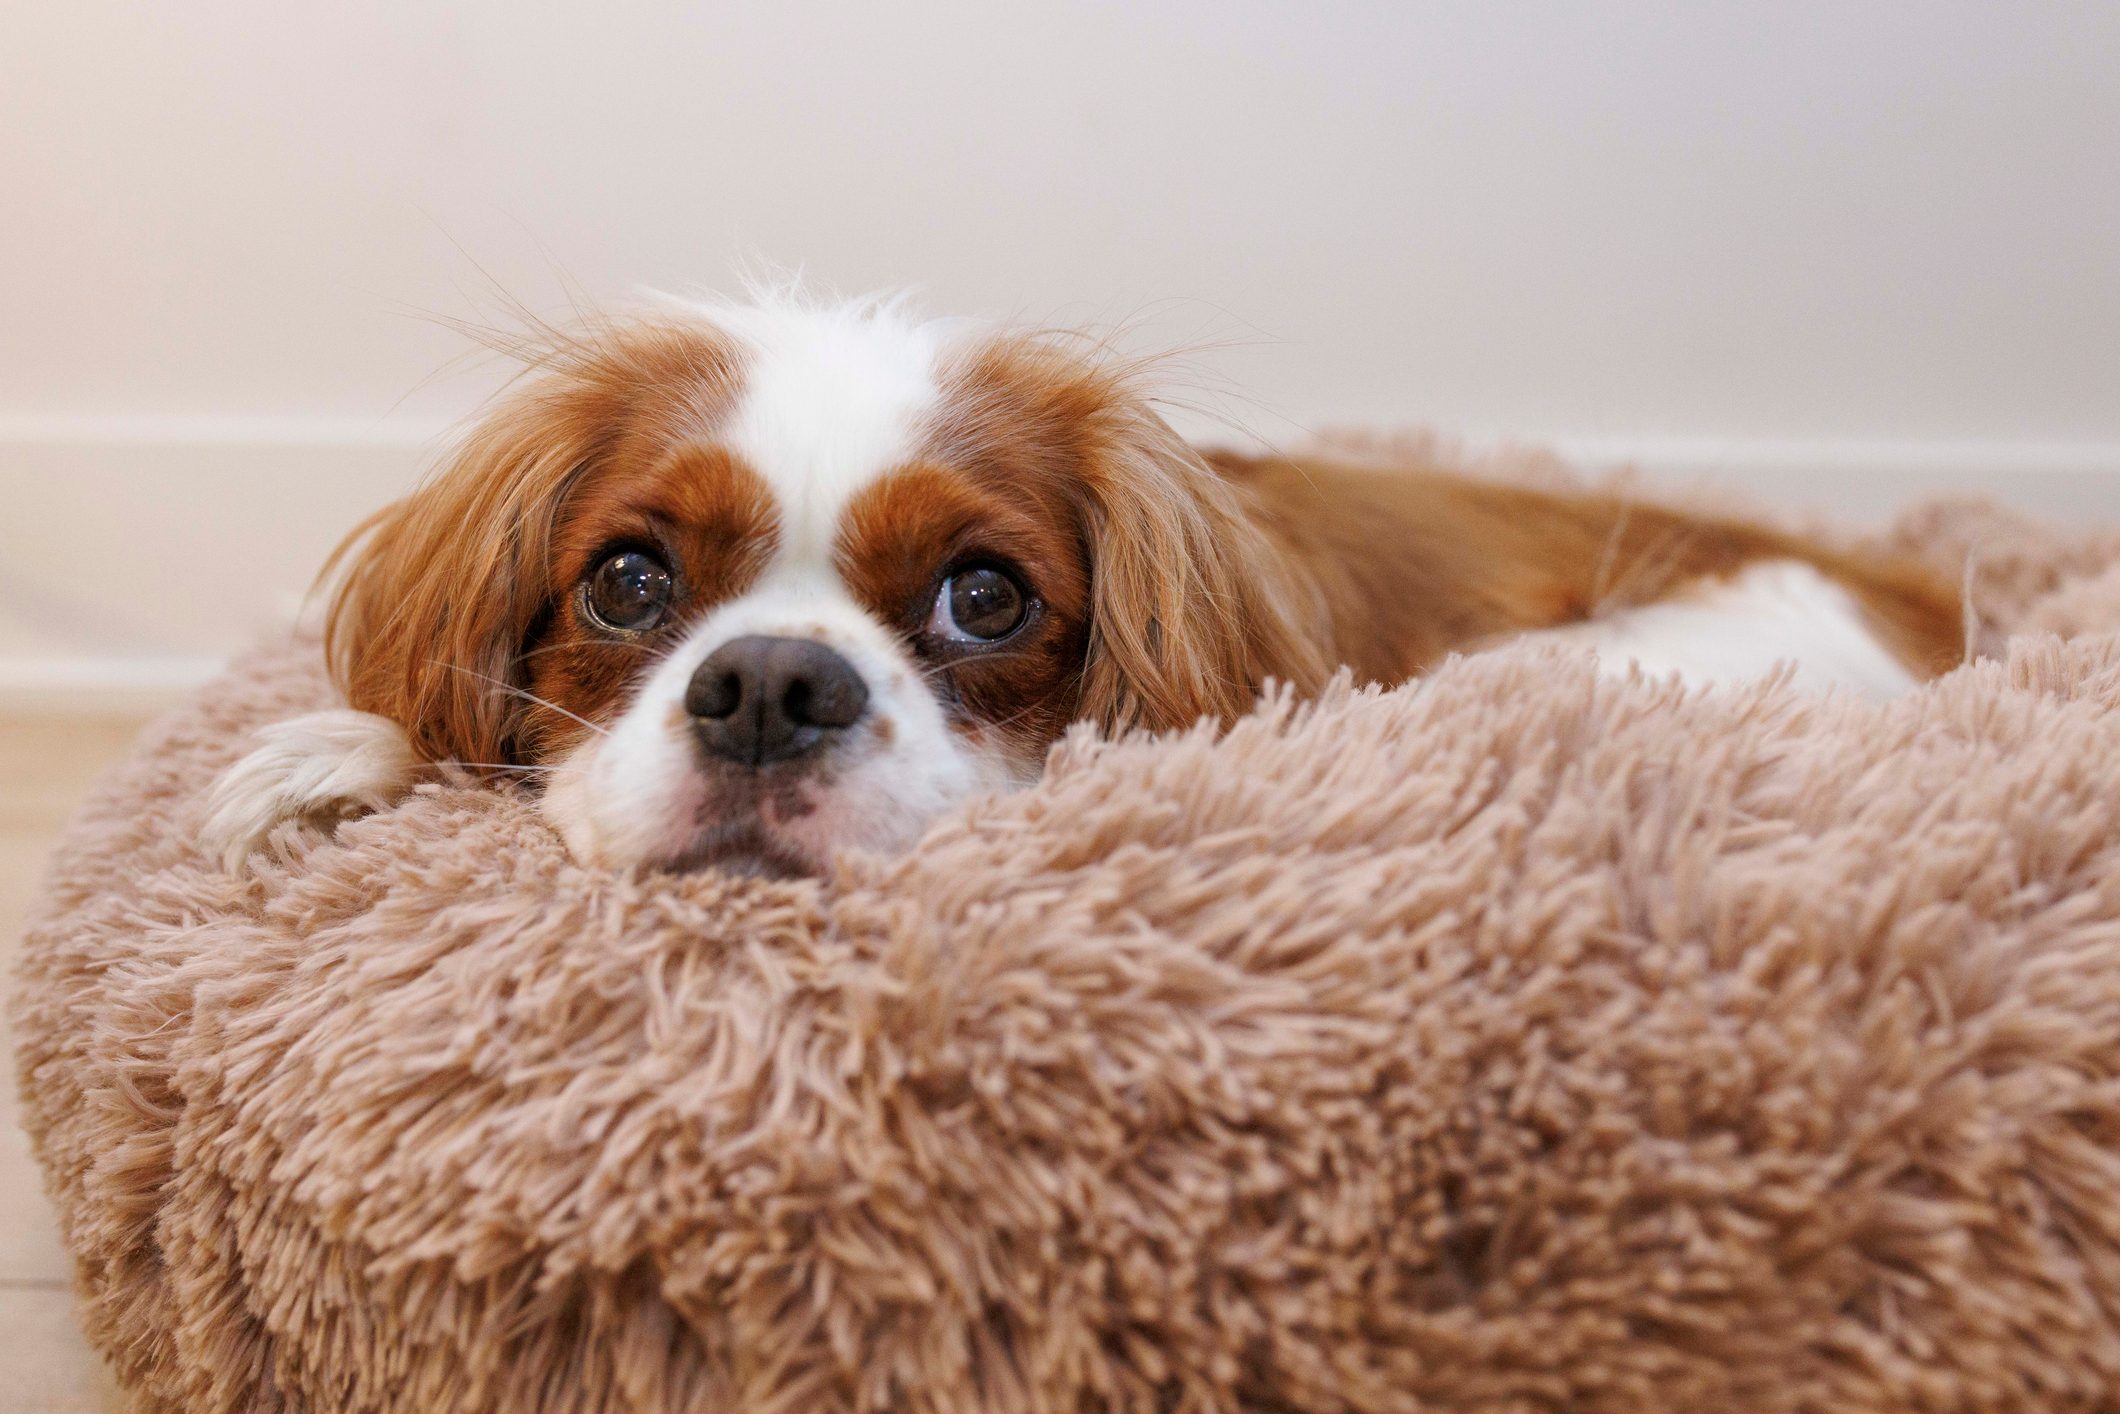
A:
(834, 697)
(760, 699)
(714, 694)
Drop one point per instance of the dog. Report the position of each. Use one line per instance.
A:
(739, 585)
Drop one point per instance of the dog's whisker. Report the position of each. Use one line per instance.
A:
(556, 647)
(523, 693)
(935, 672)
(527, 770)
(1013, 718)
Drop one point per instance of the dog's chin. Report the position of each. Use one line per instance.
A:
(745, 850)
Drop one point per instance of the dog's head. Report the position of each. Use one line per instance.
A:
(743, 584)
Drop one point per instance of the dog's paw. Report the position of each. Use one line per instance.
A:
(325, 766)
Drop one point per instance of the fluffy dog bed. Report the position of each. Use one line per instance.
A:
(1515, 1041)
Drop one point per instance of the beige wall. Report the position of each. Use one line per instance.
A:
(1836, 249)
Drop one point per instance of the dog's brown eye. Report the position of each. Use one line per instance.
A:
(629, 592)
(978, 606)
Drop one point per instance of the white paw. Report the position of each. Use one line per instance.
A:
(325, 765)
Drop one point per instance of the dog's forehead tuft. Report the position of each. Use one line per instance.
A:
(830, 398)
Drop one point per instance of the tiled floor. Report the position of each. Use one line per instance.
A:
(45, 1366)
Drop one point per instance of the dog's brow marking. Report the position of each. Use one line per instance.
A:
(833, 398)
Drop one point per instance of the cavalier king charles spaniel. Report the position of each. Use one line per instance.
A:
(740, 585)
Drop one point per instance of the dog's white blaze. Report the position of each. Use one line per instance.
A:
(833, 399)
(1782, 612)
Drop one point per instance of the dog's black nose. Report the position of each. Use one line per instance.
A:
(756, 700)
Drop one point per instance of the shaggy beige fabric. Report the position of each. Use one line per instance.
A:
(1515, 1041)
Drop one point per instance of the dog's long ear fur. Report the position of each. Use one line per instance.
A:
(440, 590)
(1193, 608)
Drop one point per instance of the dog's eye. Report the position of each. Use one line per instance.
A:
(978, 605)
(629, 592)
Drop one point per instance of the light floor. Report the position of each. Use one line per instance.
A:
(45, 1365)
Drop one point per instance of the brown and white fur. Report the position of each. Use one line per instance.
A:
(819, 474)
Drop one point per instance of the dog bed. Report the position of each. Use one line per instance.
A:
(1518, 1040)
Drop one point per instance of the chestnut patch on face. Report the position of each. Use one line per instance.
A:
(450, 587)
(902, 538)
(694, 509)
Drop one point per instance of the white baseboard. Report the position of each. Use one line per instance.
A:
(138, 553)
(100, 686)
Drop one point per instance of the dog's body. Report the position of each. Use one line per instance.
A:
(745, 584)
(1413, 563)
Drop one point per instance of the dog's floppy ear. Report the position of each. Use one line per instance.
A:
(442, 591)
(1193, 608)
(439, 591)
